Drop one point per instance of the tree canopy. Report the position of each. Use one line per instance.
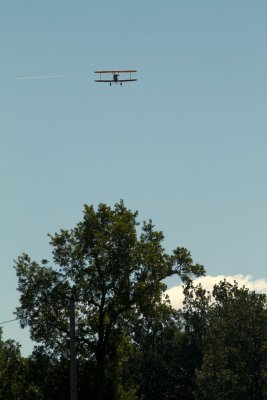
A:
(131, 343)
(235, 346)
(115, 268)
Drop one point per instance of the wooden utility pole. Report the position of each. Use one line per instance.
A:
(73, 375)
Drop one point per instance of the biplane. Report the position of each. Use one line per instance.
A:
(116, 76)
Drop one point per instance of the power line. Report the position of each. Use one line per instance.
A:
(10, 320)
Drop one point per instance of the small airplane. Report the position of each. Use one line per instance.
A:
(115, 76)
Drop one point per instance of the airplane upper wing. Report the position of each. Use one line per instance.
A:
(115, 71)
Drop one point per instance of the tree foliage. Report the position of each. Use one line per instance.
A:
(131, 344)
(235, 350)
(13, 374)
(115, 269)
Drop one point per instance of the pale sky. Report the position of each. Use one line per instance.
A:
(185, 145)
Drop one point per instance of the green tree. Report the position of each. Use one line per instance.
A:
(195, 314)
(48, 373)
(235, 346)
(168, 347)
(10, 368)
(115, 269)
(159, 362)
(13, 382)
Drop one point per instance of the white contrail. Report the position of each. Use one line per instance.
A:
(24, 78)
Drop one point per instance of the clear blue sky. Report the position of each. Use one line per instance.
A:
(185, 145)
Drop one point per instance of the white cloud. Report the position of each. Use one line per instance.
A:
(258, 285)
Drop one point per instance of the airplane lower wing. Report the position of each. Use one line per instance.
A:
(102, 80)
(112, 81)
(126, 80)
